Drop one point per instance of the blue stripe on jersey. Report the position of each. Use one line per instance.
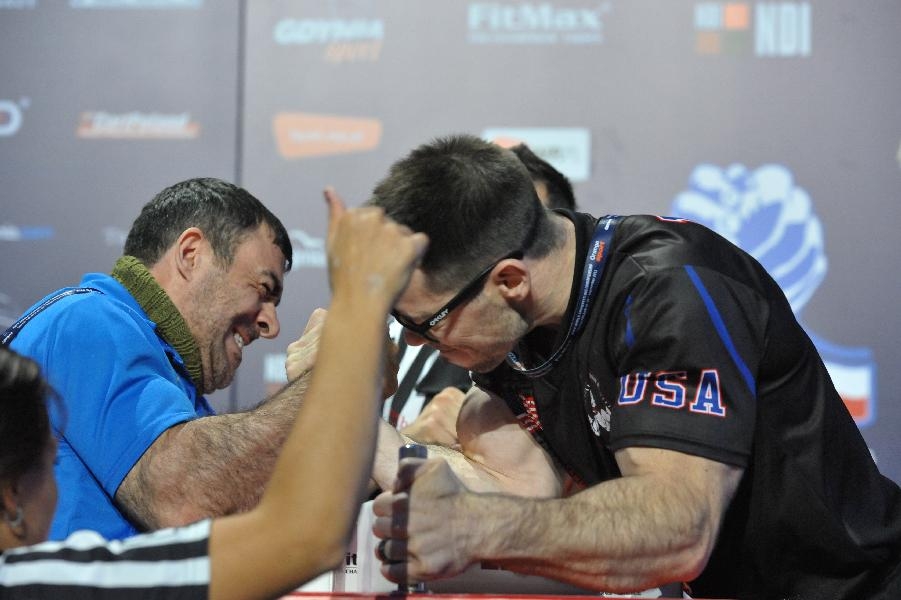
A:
(720, 327)
(630, 335)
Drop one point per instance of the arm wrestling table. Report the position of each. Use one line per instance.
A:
(360, 579)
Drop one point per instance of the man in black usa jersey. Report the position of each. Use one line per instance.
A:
(647, 409)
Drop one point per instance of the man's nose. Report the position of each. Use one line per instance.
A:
(267, 322)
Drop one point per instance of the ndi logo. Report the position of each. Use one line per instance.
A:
(769, 216)
(773, 29)
(782, 29)
(11, 116)
(534, 23)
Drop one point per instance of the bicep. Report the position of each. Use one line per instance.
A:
(491, 437)
(709, 484)
(138, 494)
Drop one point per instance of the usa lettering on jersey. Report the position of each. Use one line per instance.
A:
(674, 390)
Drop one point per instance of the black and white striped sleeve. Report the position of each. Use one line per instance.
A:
(170, 563)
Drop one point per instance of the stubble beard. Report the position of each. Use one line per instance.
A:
(210, 337)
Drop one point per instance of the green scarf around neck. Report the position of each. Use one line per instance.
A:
(140, 283)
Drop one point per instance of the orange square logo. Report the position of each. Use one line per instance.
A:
(736, 15)
(304, 135)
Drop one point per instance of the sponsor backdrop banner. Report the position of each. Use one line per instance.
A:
(776, 123)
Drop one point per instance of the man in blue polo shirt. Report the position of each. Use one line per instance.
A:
(132, 354)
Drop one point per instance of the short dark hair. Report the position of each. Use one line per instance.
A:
(24, 422)
(473, 199)
(223, 211)
(559, 189)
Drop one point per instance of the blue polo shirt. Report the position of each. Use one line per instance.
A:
(120, 386)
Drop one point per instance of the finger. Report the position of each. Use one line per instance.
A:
(451, 392)
(391, 514)
(381, 550)
(391, 550)
(336, 208)
(317, 318)
(381, 506)
(381, 527)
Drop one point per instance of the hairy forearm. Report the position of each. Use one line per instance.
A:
(620, 536)
(211, 466)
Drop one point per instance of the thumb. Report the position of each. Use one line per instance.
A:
(336, 208)
(316, 317)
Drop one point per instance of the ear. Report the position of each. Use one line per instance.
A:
(190, 249)
(9, 495)
(512, 279)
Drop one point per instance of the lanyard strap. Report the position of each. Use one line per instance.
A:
(595, 262)
(13, 330)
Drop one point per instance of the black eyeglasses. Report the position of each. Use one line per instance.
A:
(468, 292)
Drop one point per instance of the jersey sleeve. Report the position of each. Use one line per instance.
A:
(687, 346)
(118, 390)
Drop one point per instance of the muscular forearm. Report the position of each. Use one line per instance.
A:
(211, 466)
(533, 476)
(588, 540)
(657, 524)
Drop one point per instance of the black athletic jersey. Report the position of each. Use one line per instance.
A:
(691, 346)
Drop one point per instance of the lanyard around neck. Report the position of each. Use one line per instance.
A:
(7, 337)
(591, 279)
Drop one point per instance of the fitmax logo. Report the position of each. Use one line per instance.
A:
(507, 17)
(11, 116)
(535, 23)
